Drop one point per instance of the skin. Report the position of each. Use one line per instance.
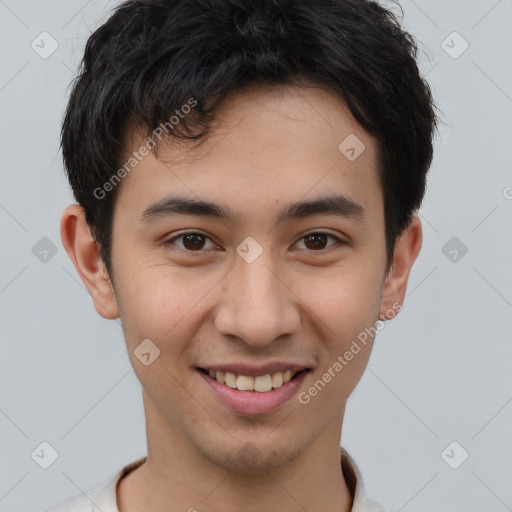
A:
(297, 302)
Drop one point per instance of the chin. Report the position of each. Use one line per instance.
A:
(252, 457)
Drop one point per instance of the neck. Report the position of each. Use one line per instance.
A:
(176, 477)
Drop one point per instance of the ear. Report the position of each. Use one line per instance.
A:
(407, 248)
(85, 255)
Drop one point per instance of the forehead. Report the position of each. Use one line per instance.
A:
(273, 142)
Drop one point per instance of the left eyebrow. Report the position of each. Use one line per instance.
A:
(338, 205)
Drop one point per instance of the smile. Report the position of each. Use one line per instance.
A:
(259, 383)
(253, 394)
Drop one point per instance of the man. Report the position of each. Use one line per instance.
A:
(247, 176)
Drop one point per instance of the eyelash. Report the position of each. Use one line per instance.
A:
(181, 235)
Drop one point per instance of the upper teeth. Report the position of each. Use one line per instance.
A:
(260, 383)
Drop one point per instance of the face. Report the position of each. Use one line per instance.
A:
(256, 291)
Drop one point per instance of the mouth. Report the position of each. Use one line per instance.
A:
(255, 384)
(253, 394)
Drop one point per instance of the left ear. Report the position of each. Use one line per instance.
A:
(407, 248)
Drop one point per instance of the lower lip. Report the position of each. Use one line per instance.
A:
(254, 402)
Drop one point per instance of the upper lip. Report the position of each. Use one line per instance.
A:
(254, 370)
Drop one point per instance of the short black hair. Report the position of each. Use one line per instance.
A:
(152, 56)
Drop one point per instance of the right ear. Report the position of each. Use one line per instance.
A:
(85, 254)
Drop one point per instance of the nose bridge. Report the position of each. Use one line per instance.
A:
(259, 308)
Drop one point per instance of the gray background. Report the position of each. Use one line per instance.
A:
(440, 372)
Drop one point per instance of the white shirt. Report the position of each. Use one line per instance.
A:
(103, 497)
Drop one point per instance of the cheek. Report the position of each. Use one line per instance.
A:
(348, 315)
(165, 305)
(346, 302)
(348, 305)
(157, 310)
(151, 307)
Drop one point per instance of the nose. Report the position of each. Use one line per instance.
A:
(257, 305)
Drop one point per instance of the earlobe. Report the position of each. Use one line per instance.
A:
(407, 248)
(85, 255)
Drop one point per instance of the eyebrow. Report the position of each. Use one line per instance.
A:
(338, 205)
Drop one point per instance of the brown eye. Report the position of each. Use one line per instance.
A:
(317, 241)
(191, 241)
